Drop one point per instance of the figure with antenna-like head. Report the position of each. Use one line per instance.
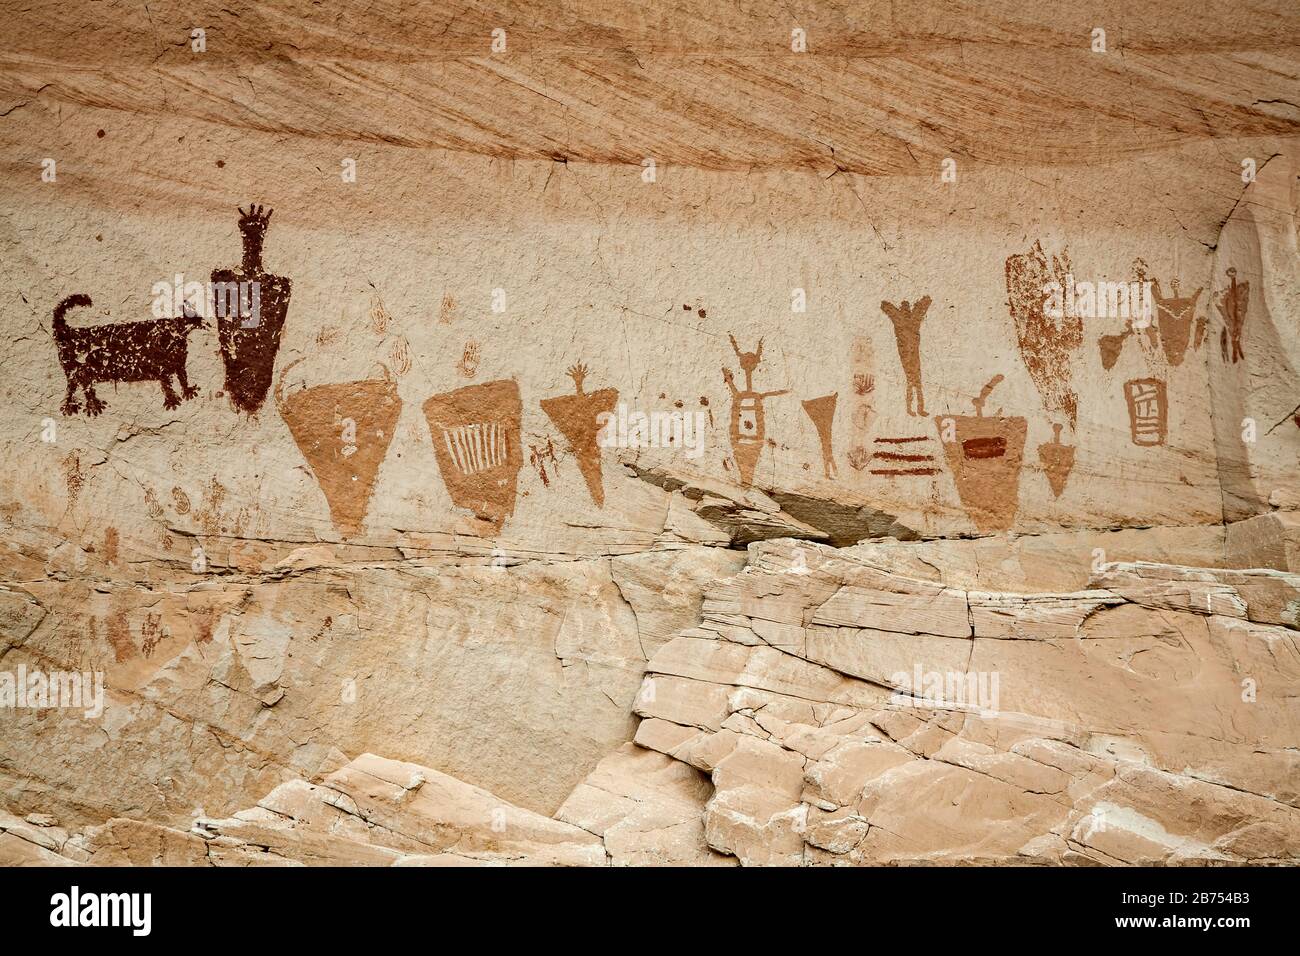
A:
(748, 427)
(251, 306)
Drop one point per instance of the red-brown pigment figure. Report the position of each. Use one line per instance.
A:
(343, 429)
(907, 319)
(985, 455)
(151, 504)
(112, 540)
(748, 425)
(1057, 460)
(903, 457)
(1111, 346)
(1148, 413)
(202, 621)
(1045, 342)
(119, 637)
(380, 318)
(151, 633)
(577, 418)
(73, 476)
(1175, 318)
(822, 412)
(539, 455)
(469, 359)
(249, 344)
(475, 432)
(400, 354)
(1233, 310)
(153, 350)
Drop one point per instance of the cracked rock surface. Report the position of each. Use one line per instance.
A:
(796, 693)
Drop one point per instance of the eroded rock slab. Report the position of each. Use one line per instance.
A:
(852, 715)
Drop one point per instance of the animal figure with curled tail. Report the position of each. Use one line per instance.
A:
(151, 351)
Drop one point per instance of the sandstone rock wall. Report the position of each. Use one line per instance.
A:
(376, 529)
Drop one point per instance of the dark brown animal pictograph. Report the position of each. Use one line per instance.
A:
(149, 351)
(250, 337)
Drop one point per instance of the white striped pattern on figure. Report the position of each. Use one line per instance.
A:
(475, 448)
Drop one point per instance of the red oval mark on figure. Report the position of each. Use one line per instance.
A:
(992, 447)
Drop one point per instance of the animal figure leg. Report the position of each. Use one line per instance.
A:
(70, 405)
(93, 405)
(187, 390)
(170, 398)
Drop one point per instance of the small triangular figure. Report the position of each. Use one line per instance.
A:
(576, 416)
(1057, 460)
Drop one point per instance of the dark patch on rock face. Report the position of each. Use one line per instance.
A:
(843, 524)
(747, 525)
(800, 516)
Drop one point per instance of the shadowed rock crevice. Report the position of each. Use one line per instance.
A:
(843, 524)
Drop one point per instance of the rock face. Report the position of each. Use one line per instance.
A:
(849, 714)
(583, 436)
(372, 812)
